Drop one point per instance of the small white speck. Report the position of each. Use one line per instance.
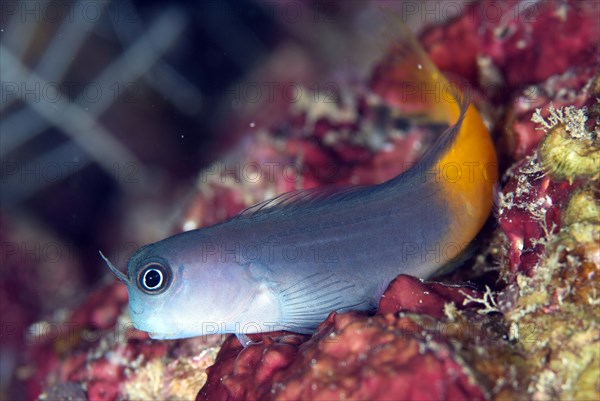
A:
(252, 124)
(420, 66)
(182, 136)
(387, 147)
(190, 225)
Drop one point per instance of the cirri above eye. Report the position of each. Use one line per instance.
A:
(154, 278)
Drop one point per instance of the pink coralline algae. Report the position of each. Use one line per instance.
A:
(409, 294)
(539, 187)
(530, 211)
(549, 212)
(526, 42)
(573, 88)
(247, 374)
(74, 338)
(97, 353)
(383, 357)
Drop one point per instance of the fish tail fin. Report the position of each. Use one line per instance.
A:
(437, 150)
(408, 79)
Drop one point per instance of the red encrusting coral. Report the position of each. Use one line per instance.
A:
(61, 355)
(529, 212)
(247, 374)
(533, 196)
(409, 294)
(527, 42)
(101, 353)
(385, 357)
(522, 136)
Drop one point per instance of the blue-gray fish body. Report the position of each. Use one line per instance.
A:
(288, 267)
(285, 264)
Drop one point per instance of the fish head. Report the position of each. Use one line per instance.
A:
(176, 291)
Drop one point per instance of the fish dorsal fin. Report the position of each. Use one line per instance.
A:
(304, 199)
(306, 303)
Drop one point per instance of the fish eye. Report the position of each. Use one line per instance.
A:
(154, 278)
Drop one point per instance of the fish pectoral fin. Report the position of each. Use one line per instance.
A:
(308, 302)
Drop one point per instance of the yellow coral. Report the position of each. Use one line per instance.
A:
(583, 207)
(179, 379)
(569, 151)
